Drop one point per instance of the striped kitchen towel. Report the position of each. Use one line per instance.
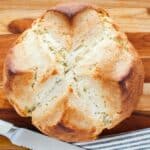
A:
(134, 140)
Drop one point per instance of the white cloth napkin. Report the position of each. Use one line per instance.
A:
(134, 140)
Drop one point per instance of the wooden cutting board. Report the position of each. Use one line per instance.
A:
(133, 18)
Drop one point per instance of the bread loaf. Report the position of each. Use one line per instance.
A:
(74, 73)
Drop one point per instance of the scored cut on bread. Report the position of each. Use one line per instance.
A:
(74, 73)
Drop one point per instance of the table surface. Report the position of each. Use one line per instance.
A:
(133, 17)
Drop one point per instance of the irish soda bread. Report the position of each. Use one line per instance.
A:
(74, 73)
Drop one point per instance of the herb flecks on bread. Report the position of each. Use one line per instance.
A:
(75, 74)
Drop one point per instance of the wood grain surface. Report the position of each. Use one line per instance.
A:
(132, 16)
(130, 19)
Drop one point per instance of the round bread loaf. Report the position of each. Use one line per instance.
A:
(74, 73)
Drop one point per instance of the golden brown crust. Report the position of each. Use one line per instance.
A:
(132, 86)
(65, 130)
(62, 121)
(67, 134)
(72, 9)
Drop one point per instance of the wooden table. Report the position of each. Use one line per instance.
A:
(133, 17)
